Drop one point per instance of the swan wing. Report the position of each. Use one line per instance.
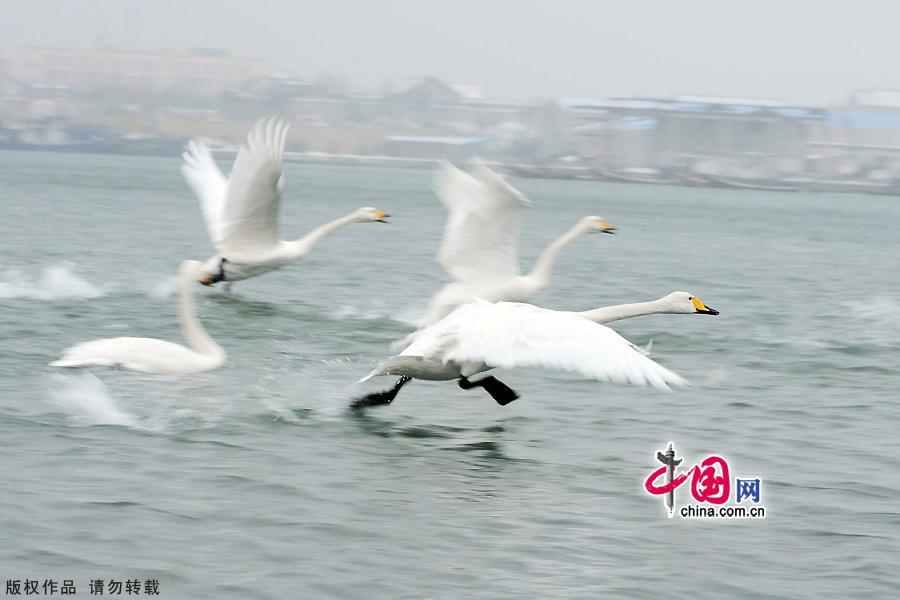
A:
(513, 335)
(209, 184)
(480, 238)
(253, 196)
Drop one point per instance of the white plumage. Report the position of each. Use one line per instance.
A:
(483, 335)
(151, 355)
(480, 241)
(209, 184)
(146, 355)
(241, 211)
(480, 245)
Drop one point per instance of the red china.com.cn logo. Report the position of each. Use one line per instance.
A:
(710, 485)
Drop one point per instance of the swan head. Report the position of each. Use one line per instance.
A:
(208, 273)
(368, 214)
(595, 224)
(685, 303)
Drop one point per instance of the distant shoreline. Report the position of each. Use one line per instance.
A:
(525, 170)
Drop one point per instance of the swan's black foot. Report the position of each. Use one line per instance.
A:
(380, 398)
(498, 390)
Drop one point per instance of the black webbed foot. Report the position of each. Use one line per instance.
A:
(380, 398)
(499, 391)
(466, 384)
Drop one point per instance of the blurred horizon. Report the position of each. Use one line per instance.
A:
(696, 93)
(798, 53)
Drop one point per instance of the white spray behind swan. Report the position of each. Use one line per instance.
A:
(54, 282)
(85, 399)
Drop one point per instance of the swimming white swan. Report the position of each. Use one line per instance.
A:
(155, 356)
(480, 246)
(241, 212)
(482, 335)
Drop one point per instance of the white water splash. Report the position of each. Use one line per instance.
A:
(55, 282)
(378, 311)
(165, 287)
(85, 399)
(346, 311)
(879, 312)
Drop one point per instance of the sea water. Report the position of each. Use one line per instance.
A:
(255, 481)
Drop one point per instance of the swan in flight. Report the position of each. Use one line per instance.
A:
(241, 212)
(482, 335)
(480, 246)
(155, 356)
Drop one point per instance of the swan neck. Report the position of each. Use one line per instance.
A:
(302, 246)
(540, 273)
(191, 328)
(622, 311)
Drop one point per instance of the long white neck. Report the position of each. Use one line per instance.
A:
(301, 247)
(623, 311)
(540, 272)
(191, 329)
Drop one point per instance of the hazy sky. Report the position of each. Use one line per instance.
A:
(798, 50)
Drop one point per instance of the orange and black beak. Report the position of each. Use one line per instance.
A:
(703, 309)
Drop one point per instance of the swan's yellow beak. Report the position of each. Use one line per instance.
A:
(702, 308)
(605, 226)
(207, 279)
(381, 216)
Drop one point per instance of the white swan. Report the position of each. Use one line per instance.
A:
(241, 212)
(482, 335)
(480, 246)
(155, 356)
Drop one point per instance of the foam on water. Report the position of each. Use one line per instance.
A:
(880, 314)
(164, 287)
(379, 311)
(162, 407)
(61, 282)
(86, 401)
(54, 282)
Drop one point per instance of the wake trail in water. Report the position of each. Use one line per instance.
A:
(54, 282)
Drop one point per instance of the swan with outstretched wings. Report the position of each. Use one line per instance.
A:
(480, 245)
(481, 335)
(241, 211)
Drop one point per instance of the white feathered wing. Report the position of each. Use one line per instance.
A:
(512, 335)
(241, 212)
(481, 235)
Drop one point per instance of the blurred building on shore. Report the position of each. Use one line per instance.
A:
(735, 142)
(201, 71)
(109, 100)
(712, 136)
